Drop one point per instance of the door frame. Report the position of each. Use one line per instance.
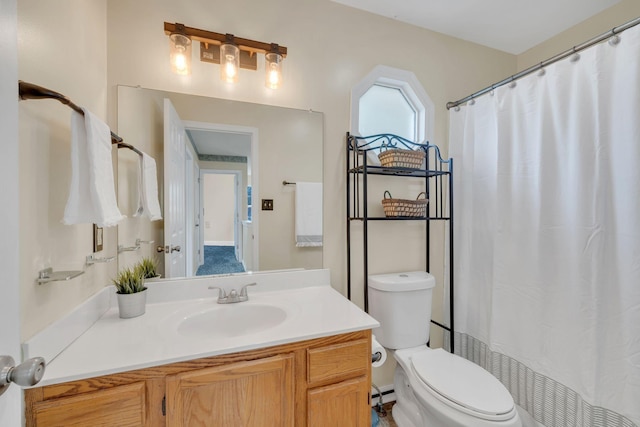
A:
(191, 210)
(252, 132)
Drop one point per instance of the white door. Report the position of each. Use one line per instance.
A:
(11, 401)
(174, 193)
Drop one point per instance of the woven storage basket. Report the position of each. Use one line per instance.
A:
(397, 158)
(402, 207)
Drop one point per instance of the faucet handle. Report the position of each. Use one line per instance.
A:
(221, 292)
(243, 290)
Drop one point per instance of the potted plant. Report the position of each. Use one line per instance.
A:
(131, 293)
(148, 268)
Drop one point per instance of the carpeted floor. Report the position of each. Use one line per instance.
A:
(219, 260)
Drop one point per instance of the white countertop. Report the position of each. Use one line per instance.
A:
(113, 345)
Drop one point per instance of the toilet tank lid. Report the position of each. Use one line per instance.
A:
(404, 281)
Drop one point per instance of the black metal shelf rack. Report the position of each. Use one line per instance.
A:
(437, 174)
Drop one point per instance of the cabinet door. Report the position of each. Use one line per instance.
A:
(121, 406)
(256, 393)
(344, 404)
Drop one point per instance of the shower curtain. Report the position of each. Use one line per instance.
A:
(547, 236)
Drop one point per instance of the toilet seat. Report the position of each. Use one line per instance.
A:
(462, 384)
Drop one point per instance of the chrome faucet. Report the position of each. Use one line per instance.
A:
(233, 296)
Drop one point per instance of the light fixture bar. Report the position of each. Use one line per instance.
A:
(218, 38)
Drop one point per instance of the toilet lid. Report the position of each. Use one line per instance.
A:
(462, 382)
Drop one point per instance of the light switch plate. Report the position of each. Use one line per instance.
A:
(267, 204)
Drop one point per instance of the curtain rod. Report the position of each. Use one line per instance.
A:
(31, 91)
(549, 61)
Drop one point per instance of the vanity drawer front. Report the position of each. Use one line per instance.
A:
(338, 361)
(117, 406)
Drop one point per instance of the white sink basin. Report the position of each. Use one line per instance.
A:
(206, 319)
(231, 320)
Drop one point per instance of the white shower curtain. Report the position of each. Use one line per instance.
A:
(547, 236)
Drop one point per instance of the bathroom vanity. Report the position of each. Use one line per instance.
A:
(312, 367)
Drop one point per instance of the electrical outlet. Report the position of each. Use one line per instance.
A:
(267, 204)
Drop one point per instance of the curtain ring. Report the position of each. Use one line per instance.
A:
(542, 71)
(614, 40)
(576, 56)
(472, 102)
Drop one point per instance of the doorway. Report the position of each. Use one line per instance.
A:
(221, 204)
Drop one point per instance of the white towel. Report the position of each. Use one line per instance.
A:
(148, 204)
(92, 195)
(308, 214)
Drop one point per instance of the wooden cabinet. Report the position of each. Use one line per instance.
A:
(325, 381)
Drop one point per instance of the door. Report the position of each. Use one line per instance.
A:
(255, 393)
(174, 193)
(345, 404)
(11, 400)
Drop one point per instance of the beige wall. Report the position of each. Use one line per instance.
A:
(62, 46)
(615, 16)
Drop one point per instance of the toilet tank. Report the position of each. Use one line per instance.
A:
(401, 302)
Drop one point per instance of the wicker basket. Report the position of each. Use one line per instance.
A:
(405, 208)
(397, 158)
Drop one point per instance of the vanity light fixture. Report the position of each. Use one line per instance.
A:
(232, 53)
(180, 51)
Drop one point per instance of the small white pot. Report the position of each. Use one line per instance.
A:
(132, 305)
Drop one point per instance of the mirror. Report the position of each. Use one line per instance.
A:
(237, 155)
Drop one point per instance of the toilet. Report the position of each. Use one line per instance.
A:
(433, 388)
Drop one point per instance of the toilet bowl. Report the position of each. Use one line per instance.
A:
(433, 388)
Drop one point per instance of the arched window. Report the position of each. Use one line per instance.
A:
(390, 100)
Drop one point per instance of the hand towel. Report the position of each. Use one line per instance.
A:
(308, 214)
(148, 204)
(92, 195)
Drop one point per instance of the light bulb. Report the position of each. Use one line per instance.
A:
(274, 78)
(273, 66)
(229, 62)
(230, 69)
(181, 62)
